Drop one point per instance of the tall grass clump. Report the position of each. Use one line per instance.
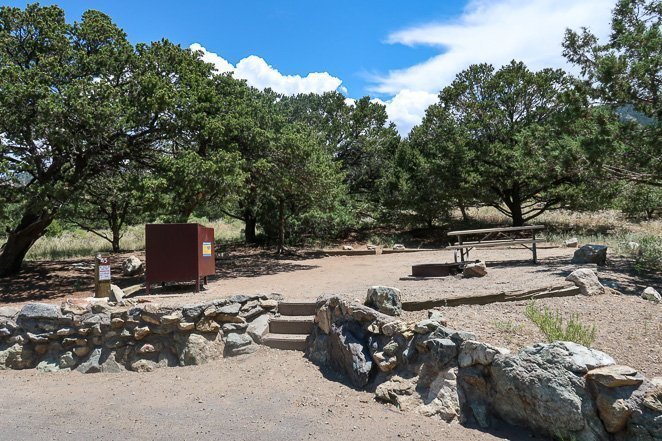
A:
(551, 324)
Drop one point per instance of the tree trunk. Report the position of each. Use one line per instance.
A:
(516, 212)
(31, 228)
(117, 235)
(249, 229)
(463, 210)
(281, 226)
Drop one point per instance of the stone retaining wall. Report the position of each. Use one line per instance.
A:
(560, 389)
(97, 336)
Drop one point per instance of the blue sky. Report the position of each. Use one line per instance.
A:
(400, 53)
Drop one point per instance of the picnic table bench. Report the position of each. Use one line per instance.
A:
(493, 237)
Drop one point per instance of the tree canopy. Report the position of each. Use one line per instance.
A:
(515, 135)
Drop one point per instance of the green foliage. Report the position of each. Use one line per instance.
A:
(640, 201)
(511, 138)
(74, 100)
(649, 255)
(624, 72)
(551, 324)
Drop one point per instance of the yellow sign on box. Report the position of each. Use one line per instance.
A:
(206, 249)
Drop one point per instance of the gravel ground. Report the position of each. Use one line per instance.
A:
(628, 328)
(270, 395)
(351, 276)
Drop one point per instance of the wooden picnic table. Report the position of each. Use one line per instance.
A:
(492, 237)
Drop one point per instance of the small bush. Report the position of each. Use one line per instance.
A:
(649, 254)
(551, 324)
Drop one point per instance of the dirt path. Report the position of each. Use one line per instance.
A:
(351, 276)
(270, 395)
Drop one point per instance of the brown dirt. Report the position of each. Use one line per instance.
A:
(628, 328)
(279, 395)
(248, 271)
(269, 395)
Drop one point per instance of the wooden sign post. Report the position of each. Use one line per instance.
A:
(101, 276)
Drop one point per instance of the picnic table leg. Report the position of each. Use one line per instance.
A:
(459, 239)
(535, 256)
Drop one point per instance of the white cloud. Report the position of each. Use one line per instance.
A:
(258, 73)
(407, 107)
(492, 31)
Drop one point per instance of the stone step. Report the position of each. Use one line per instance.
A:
(292, 324)
(296, 308)
(288, 342)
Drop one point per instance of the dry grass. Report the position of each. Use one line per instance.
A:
(79, 243)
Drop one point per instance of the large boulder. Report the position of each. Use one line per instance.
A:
(542, 387)
(349, 355)
(132, 266)
(596, 254)
(194, 349)
(384, 299)
(587, 281)
(36, 317)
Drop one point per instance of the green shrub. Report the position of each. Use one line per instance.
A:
(649, 254)
(551, 324)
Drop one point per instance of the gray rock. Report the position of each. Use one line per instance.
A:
(39, 311)
(15, 356)
(477, 269)
(349, 356)
(587, 281)
(48, 365)
(385, 300)
(36, 317)
(572, 356)
(442, 350)
(8, 312)
(132, 266)
(207, 324)
(116, 293)
(652, 295)
(242, 298)
(425, 326)
(239, 344)
(193, 312)
(252, 313)
(535, 388)
(100, 360)
(259, 327)
(194, 349)
(474, 352)
(437, 317)
(590, 254)
(399, 247)
(67, 360)
(227, 328)
(230, 309)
